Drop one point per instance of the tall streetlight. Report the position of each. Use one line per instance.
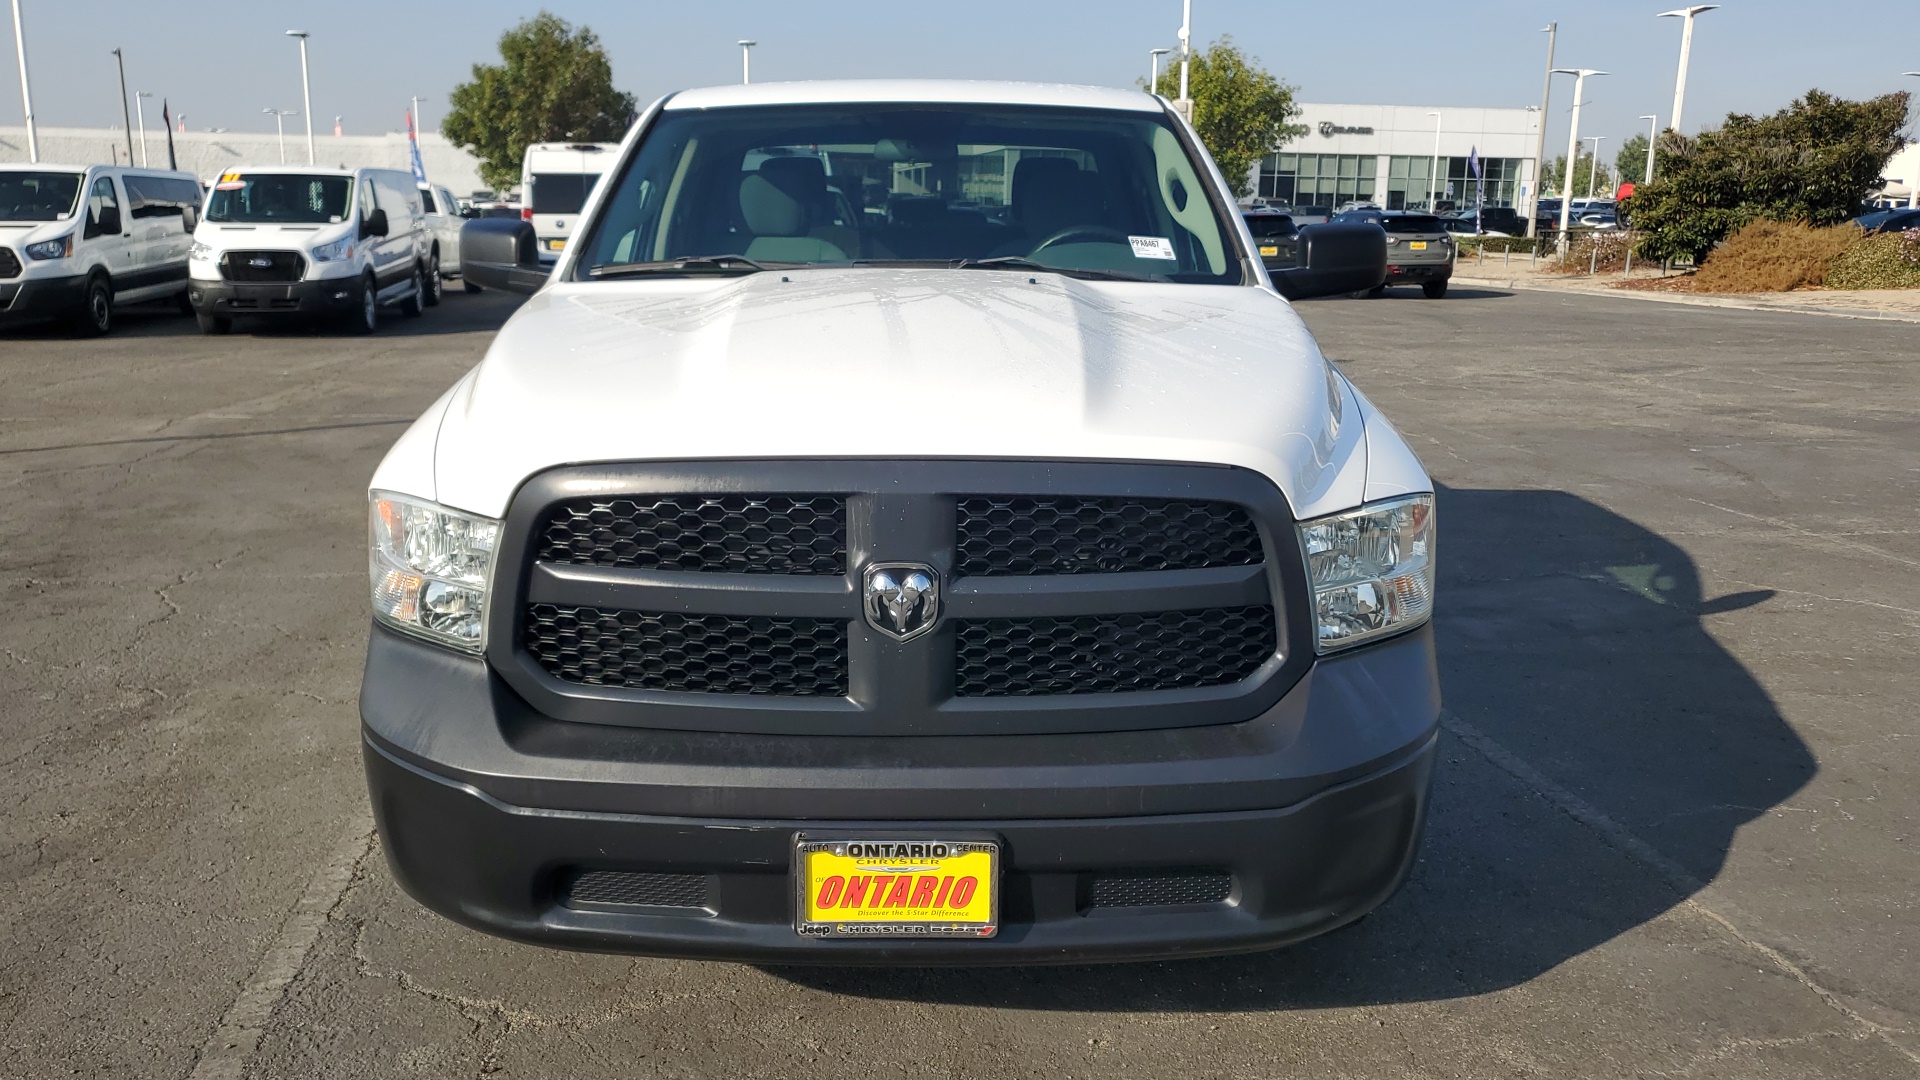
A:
(306, 90)
(1186, 56)
(1433, 170)
(126, 119)
(1593, 169)
(280, 128)
(1153, 69)
(1552, 30)
(140, 113)
(746, 60)
(1686, 50)
(1653, 133)
(1573, 151)
(417, 127)
(26, 90)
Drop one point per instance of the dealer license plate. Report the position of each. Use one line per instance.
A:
(1269, 251)
(561, 245)
(897, 888)
(1417, 245)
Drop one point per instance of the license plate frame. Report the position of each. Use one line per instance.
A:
(1417, 245)
(816, 858)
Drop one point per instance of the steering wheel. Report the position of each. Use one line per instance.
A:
(1100, 232)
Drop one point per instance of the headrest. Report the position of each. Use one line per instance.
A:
(775, 199)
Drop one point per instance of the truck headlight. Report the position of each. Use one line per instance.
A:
(431, 569)
(1371, 571)
(57, 248)
(199, 252)
(334, 252)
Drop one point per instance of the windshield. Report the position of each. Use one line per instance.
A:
(562, 193)
(1263, 226)
(1102, 192)
(37, 196)
(280, 198)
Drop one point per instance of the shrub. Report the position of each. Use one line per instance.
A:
(1885, 261)
(1774, 256)
(1598, 251)
(1494, 245)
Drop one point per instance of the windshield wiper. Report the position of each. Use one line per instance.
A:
(1021, 262)
(726, 264)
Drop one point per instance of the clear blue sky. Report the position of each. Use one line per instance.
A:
(222, 63)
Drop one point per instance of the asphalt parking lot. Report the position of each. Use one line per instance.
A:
(1676, 830)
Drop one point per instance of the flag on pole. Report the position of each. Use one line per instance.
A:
(413, 145)
(166, 121)
(1479, 184)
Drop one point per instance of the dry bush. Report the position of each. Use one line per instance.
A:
(1599, 251)
(1886, 261)
(1774, 256)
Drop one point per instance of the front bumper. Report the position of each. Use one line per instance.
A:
(487, 810)
(32, 299)
(325, 296)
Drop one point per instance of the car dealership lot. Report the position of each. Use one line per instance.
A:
(1676, 618)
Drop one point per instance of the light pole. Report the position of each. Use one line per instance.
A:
(1552, 30)
(306, 90)
(26, 90)
(1653, 133)
(1573, 151)
(1593, 170)
(1686, 14)
(140, 114)
(126, 120)
(1153, 69)
(746, 60)
(417, 128)
(280, 128)
(1433, 171)
(1186, 55)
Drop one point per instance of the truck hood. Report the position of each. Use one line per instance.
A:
(902, 363)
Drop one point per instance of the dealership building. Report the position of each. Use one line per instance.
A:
(1387, 154)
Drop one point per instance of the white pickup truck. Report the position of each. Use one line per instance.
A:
(907, 525)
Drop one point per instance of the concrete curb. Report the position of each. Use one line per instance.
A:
(1873, 314)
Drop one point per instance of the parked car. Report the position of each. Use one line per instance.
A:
(1351, 206)
(684, 643)
(1311, 215)
(1275, 236)
(555, 180)
(1419, 249)
(1491, 221)
(444, 218)
(79, 241)
(301, 241)
(1897, 220)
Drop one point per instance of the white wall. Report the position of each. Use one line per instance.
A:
(1905, 168)
(205, 153)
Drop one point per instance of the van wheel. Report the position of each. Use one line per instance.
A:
(96, 310)
(468, 285)
(434, 285)
(365, 315)
(213, 324)
(1434, 289)
(416, 305)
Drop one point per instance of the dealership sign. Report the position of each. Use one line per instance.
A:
(1330, 129)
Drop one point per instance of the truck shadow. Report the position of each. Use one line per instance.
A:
(1570, 639)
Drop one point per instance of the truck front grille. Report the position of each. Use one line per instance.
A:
(593, 890)
(735, 534)
(1160, 890)
(1019, 535)
(1110, 654)
(704, 654)
(263, 266)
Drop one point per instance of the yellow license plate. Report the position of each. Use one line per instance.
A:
(1417, 245)
(1269, 251)
(897, 888)
(561, 245)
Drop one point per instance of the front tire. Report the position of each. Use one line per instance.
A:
(1434, 289)
(365, 315)
(213, 324)
(435, 286)
(96, 310)
(416, 305)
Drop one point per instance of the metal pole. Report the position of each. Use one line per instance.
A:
(126, 119)
(306, 91)
(26, 90)
(1653, 135)
(140, 113)
(1593, 167)
(1573, 152)
(1540, 143)
(1686, 16)
(1153, 69)
(746, 60)
(1186, 54)
(1433, 173)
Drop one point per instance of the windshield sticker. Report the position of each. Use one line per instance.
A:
(1152, 247)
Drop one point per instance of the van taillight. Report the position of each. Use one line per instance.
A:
(526, 213)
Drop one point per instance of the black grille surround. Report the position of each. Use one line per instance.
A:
(585, 635)
(615, 890)
(739, 534)
(9, 263)
(281, 266)
(1021, 534)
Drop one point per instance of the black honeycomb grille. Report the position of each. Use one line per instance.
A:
(734, 534)
(1104, 654)
(709, 654)
(1022, 535)
(1158, 890)
(263, 266)
(9, 263)
(626, 888)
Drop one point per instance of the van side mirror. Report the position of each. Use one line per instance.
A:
(107, 224)
(1338, 257)
(375, 225)
(500, 253)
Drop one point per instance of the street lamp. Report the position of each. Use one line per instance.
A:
(1186, 55)
(280, 128)
(1686, 50)
(1552, 30)
(1653, 133)
(306, 90)
(26, 91)
(1573, 151)
(1433, 171)
(1153, 69)
(1593, 170)
(126, 121)
(140, 114)
(746, 60)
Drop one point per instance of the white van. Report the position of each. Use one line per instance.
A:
(333, 243)
(555, 180)
(78, 240)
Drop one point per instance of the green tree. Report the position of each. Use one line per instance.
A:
(1582, 168)
(1240, 110)
(1814, 161)
(555, 85)
(1631, 162)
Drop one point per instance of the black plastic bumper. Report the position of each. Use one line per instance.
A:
(326, 296)
(28, 300)
(486, 810)
(1440, 271)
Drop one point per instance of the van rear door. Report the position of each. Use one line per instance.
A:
(559, 180)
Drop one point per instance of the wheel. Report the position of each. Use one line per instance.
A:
(416, 305)
(435, 287)
(213, 324)
(1434, 289)
(365, 315)
(468, 285)
(96, 310)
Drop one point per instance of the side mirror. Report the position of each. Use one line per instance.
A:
(375, 225)
(108, 223)
(1335, 258)
(501, 253)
